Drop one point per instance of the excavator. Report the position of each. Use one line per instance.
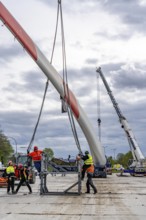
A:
(138, 164)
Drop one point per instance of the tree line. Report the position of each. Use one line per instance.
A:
(123, 159)
(6, 150)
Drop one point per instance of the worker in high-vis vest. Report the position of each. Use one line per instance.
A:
(24, 175)
(10, 173)
(88, 161)
(90, 172)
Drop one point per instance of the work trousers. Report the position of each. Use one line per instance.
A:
(11, 181)
(90, 183)
(21, 183)
(84, 168)
(37, 165)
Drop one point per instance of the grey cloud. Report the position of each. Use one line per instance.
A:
(130, 79)
(56, 132)
(91, 61)
(126, 76)
(23, 123)
(107, 68)
(131, 12)
(32, 82)
(8, 53)
(122, 36)
(51, 3)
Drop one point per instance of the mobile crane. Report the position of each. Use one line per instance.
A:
(138, 163)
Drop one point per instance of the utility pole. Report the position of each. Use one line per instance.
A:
(104, 149)
(114, 151)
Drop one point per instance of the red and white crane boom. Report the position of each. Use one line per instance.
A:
(50, 72)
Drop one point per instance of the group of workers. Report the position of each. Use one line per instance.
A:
(88, 167)
(23, 172)
(23, 175)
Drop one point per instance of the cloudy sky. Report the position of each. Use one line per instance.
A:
(106, 33)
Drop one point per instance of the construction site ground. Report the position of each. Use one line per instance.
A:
(121, 198)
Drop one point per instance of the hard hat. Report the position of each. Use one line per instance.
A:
(86, 152)
(10, 162)
(35, 148)
(20, 166)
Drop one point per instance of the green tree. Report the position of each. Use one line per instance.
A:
(111, 160)
(6, 149)
(128, 157)
(49, 152)
(120, 159)
(124, 159)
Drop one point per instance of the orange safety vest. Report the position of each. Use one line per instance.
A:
(90, 169)
(36, 155)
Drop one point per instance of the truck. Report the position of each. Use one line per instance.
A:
(138, 164)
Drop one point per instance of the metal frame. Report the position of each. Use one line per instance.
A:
(43, 180)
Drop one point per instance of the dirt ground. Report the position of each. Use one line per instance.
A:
(121, 198)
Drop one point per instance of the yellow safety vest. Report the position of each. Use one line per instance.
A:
(89, 161)
(10, 169)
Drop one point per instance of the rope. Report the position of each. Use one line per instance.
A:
(46, 87)
(98, 108)
(54, 42)
(65, 83)
(36, 126)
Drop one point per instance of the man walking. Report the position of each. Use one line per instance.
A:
(24, 174)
